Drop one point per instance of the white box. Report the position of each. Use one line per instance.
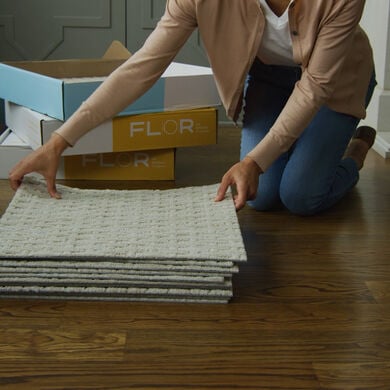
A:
(162, 130)
(57, 88)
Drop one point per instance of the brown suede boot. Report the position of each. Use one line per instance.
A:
(360, 144)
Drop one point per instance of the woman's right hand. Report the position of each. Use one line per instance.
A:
(45, 161)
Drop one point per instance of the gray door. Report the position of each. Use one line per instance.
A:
(142, 17)
(54, 29)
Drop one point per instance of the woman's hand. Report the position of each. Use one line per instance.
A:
(44, 160)
(245, 176)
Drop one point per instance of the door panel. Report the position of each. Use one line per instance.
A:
(142, 18)
(55, 29)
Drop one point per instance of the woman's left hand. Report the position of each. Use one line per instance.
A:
(245, 177)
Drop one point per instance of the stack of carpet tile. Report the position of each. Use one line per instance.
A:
(140, 245)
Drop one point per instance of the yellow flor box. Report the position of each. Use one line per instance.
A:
(165, 129)
(162, 130)
(139, 165)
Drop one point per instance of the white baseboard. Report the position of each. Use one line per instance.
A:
(382, 144)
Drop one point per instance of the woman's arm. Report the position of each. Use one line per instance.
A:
(317, 84)
(121, 88)
(137, 75)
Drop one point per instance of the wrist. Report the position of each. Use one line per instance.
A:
(58, 143)
(253, 164)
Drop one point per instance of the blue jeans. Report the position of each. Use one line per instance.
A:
(312, 176)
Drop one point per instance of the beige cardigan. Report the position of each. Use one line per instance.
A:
(332, 50)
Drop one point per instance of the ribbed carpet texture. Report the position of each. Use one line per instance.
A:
(138, 245)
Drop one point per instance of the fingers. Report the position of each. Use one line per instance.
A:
(241, 197)
(244, 194)
(16, 179)
(51, 188)
(251, 192)
(28, 165)
(245, 177)
(16, 176)
(222, 189)
(15, 182)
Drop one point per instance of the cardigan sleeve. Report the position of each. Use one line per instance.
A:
(135, 76)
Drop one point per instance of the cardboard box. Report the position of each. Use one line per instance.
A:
(57, 88)
(126, 133)
(139, 165)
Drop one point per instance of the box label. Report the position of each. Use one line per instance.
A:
(164, 130)
(142, 165)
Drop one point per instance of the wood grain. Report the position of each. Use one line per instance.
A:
(310, 310)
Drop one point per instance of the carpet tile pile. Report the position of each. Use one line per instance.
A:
(140, 245)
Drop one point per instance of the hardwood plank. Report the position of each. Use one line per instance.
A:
(6, 195)
(291, 376)
(60, 344)
(369, 375)
(246, 348)
(380, 290)
(122, 316)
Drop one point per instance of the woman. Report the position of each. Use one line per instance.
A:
(306, 70)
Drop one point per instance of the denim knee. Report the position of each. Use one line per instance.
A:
(300, 201)
(297, 202)
(263, 203)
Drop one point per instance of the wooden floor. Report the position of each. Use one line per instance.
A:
(311, 308)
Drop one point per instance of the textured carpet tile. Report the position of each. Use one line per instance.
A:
(110, 279)
(95, 282)
(160, 293)
(183, 223)
(187, 267)
(144, 245)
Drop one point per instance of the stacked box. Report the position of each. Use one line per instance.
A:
(133, 147)
(135, 165)
(138, 144)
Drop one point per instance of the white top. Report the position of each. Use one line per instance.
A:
(276, 45)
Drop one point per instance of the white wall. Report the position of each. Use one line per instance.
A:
(376, 22)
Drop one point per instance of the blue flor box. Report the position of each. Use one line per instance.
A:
(57, 88)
